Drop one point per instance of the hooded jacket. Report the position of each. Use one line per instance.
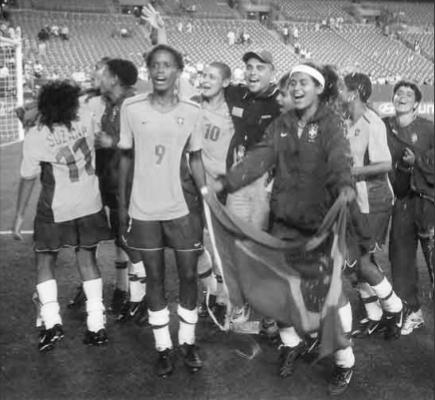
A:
(309, 171)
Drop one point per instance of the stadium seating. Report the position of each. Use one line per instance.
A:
(100, 6)
(418, 14)
(314, 10)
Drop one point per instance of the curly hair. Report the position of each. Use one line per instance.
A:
(58, 103)
(178, 58)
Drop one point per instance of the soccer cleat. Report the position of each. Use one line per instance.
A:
(95, 338)
(191, 357)
(288, 357)
(393, 322)
(340, 380)
(49, 337)
(413, 320)
(269, 329)
(120, 297)
(79, 299)
(368, 327)
(136, 311)
(164, 366)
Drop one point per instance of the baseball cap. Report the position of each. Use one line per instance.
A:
(262, 55)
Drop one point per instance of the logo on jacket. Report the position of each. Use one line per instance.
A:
(414, 138)
(313, 131)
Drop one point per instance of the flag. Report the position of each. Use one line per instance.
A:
(284, 280)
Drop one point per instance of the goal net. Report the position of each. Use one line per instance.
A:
(11, 90)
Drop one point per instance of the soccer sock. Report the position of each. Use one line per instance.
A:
(345, 314)
(188, 320)
(389, 300)
(47, 292)
(344, 358)
(370, 300)
(94, 305)
(289, 336)
(159, 321)
(121, 264)
(205, 272)
(137, 279)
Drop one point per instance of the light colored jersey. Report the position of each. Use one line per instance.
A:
(66, 160)
(368, 144)
(95, 105)
(216, 137)
(160, 141)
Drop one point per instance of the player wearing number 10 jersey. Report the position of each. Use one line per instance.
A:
(164, 205)
(69, 212)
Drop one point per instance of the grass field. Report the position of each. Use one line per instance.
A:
(123, 369)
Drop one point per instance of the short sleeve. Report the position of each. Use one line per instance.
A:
(30, 165)
(378, 146)
(126, 132)
(195, 138)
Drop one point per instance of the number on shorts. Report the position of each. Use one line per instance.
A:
(212, 132)
(159, 151)
(69, 156)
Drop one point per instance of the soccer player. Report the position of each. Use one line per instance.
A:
(69, 212)
(371, 162)
(411, 142)
(161, 129)
(284, 99)
(310, 154)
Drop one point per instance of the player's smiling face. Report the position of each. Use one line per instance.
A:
(258, 75)
(303, 90)
(163, 71)
(404, 100)
(212, 83)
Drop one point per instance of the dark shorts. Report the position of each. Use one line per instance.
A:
(85, 232)
(378, 224)
(181, 234)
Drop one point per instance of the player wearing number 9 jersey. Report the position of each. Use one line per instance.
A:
(164, 208)
(69, 212)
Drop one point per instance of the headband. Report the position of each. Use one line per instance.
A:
(313, 72)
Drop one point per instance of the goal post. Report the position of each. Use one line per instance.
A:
(11, 90)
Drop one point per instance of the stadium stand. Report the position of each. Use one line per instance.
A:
(97, 6)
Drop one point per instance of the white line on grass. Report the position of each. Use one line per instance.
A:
(10, 232)
(10, 143)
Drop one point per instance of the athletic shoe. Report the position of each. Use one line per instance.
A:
(49, 337)
(368, 327)
(340, 380)
(393, 322)
(413, 320)
(95, 338)
(164, 366)
(136, 311)
(191, 357)
(120, 297)
(269, 329)
(288, 357)
(79, 299)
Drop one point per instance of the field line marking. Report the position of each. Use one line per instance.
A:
(9, 232)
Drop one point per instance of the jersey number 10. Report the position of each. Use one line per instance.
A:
(71, 162)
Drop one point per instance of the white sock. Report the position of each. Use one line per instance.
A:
(205, 272)
(47, 292)
(371, 301)
(345, 314)
(94, 305)
(345, 358)
(137, 283)
(159, 321)
(389, 300)
(188, 320)
(289, 336)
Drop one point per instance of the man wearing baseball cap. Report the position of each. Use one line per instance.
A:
(252, 107)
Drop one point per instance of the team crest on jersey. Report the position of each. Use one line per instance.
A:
(180, 121)
(414, 138)
(313, 131)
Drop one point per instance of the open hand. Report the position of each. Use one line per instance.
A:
(16, 231)
(153, 17)
(408, 156)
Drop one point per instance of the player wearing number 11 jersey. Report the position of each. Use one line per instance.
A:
(60, 148)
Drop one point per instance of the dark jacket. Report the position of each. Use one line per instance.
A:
(251, 114)
(419, 137)
(107, 159)
(309, 172)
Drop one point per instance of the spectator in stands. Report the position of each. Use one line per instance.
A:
(286, 34)
(43, 36)
(4, 71)
(231, 38)
(317, 27)
(297, 47)
(295, 33)
(180, 26)
(55, 31)
(38, 69)
(64, 32)
(189, 27)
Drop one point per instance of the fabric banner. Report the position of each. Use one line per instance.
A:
(281, 279)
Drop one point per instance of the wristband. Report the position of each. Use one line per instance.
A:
(204, 190)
